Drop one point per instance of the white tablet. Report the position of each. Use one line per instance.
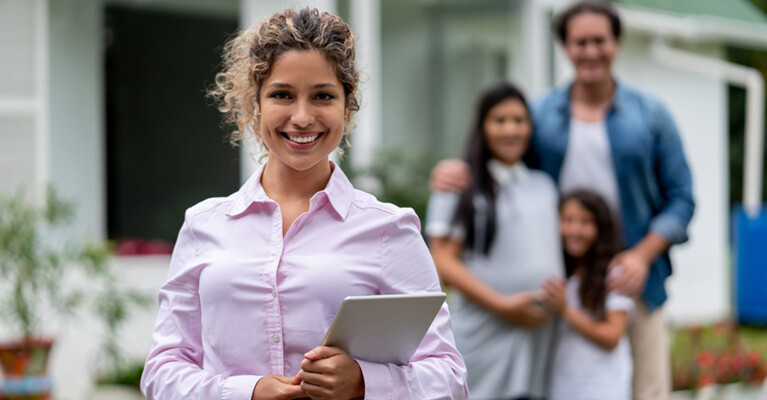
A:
(383, 328)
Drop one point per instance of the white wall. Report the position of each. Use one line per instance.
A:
(76, 135)
(23, 94)
(699, 289)
(73, 363)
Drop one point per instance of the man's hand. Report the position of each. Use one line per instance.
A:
(450, 176)
(277, 387)
(330, 373)
(628, 273)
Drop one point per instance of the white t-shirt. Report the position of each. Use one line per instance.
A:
(589, 164)
(581, 370)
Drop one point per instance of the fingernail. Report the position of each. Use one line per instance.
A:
(309, 354)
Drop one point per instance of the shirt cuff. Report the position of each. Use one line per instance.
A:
(670, 228)
(239, 387)
(378, 383)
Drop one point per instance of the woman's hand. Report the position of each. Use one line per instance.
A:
(330, 373)
(277, 387)
(524, 309)
(553, 294)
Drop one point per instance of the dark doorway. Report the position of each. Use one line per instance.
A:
(165, 147)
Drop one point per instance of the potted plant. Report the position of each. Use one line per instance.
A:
(38, 265)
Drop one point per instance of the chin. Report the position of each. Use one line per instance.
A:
(593, 77)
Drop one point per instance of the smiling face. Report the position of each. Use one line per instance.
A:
(578, 228)
(591, 47)
(507, 130)
(302, 110)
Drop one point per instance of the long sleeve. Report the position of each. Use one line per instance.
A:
(174, 365)
(674, 179)
(437, 370)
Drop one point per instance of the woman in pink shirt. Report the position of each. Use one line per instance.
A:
(256, 277)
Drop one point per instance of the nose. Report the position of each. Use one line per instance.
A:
(591, 49)
(512, 127)
(303, 115)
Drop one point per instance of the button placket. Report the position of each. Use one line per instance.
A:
(275, 323)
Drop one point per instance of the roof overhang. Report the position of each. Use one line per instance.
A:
(694, 28)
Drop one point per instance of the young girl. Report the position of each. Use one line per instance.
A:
(592, 358)
(496, 244)
(256, 277)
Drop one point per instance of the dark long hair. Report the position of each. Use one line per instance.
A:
(593, 289)
(476, 211)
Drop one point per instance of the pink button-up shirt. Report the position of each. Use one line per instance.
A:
(242, 301)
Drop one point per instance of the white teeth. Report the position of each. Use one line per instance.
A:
(303, 139)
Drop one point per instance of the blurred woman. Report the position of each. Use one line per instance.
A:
(496, 244)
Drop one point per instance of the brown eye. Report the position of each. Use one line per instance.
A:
(280, 95)
(325, 96)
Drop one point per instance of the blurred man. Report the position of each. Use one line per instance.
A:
(599, 134)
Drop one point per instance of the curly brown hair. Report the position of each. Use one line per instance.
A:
(249, 57)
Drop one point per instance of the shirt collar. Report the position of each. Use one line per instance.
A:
(504, 173)
(339, 192)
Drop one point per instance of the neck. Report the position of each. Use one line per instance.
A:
(593, 93)
(283, 183)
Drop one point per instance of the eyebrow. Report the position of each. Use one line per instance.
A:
(289, 86)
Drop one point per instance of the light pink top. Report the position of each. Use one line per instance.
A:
(242, 301)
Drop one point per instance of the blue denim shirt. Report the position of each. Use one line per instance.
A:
(654, 179)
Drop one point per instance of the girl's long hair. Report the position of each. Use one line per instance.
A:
(593, 288)
(476, 211)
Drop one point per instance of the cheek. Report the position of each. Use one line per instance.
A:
(527, 131)
(489, 129)
(591, 235)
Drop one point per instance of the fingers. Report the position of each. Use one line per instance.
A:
(626, 283)
(324, 360)
(284, 379)
(450, 176)
(322, 352)
(337, 376)
(277, 387)
(615, 261)
(535, 316)
(296, 379)
(315, 391)
(313, 378)
(554, 284)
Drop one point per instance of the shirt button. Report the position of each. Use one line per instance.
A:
(274, 292)
(276, 338)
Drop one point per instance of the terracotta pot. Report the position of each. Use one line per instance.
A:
(25, 369)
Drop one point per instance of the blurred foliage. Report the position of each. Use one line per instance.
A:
(39, 272)
(31, 268)
(399, 176)
(127, 374)
(718, 354)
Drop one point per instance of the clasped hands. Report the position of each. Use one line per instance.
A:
(326, 373)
